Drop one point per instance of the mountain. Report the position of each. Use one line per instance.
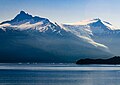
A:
(99, 31)
(92, 27)
(24, 21)
(28, 38)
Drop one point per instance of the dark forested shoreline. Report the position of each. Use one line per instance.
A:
(114, 60)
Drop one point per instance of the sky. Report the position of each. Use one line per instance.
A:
(63, 11)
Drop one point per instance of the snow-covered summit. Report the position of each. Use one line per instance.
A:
(92, 27)
(23, 17)
(96, 21)
(25, 21)
(85, 22)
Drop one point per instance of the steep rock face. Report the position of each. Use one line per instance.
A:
(34, 39)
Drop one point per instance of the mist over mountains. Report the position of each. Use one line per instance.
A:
(28, 38)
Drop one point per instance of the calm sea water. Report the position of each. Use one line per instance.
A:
(59, 74)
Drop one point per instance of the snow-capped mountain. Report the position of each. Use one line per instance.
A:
(24, 21)
(92, 27)
(99, 31)
(34, 39)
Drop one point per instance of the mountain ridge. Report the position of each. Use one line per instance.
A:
(24, 16)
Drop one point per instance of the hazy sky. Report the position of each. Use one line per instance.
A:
(63, 11)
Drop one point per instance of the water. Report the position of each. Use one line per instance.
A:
(59, 74)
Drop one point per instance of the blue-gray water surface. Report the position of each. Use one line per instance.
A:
(59, 74)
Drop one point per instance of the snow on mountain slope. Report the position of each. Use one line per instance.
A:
(84, 22)
(79, 30)
(98, 31)
(38, 39)
(110, 26)
(91, 27)
(85, 33)
(24, 21)
(91, 21)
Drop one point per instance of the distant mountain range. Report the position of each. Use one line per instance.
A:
(34, 39)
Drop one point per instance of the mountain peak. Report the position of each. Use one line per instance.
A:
(22, 16)
(95, 21)
(98, 19)
(86, 22)
(22, 12)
